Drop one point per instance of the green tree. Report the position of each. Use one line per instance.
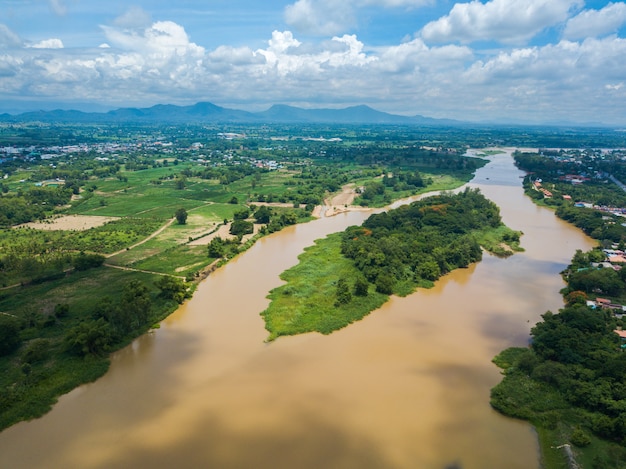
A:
(342, 294)
(90, 337)
(384, 284)
(241, 227)
(361, 287)
(181, 216)
(136, 300)
(85, 261)
(242, 214)
(263, 214)
(181, 183)
(172, 288)
(9, 334)
(216, 247)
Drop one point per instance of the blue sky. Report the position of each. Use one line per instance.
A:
(532, 61)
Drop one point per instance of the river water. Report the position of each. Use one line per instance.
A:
(407, 387)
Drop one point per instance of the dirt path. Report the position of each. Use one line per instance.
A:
(340, 203)
(130, 269)
(156, 233)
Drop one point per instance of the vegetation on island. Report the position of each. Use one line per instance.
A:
(347, 275)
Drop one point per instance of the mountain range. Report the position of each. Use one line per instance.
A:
(205, 112)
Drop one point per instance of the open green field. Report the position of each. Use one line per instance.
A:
(307, 302)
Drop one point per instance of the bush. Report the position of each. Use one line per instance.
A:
(580, 438)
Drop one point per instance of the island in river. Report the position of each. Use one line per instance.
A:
(347, 275)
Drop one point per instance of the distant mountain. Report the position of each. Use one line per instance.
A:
(205, 112)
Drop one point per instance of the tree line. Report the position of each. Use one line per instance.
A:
(421, 241)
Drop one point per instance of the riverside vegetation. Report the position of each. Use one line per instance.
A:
(347, 275)
(71, 296)
(571, 382)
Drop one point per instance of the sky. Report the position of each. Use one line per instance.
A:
(523, 61)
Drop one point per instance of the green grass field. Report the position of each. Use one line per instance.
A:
(306, 302)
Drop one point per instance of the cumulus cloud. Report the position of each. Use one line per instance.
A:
(162, 37)
(506, 21)
(596, 23)
(53, 43)
(320, 17)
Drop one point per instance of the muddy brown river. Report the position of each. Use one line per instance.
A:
(407, 387)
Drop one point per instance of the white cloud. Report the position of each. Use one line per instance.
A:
(163, 38)
(53, 43)
(596, 23)
(160, 63)
(506, 21)
(321, 17)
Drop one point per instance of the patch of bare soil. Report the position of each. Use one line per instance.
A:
(69, 223)
(224, 233)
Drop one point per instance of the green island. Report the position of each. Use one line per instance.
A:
(347, 275)
(105, 229)
(570, 383)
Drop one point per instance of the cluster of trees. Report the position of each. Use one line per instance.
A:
(576, 355)
(575, 368)
(421, 241)
(594, 223)
(34, 204)
(114, 320)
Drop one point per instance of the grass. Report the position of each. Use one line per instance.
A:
(306, 303)
(503, 241)
(178, 260)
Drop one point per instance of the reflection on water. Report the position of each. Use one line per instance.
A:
(407, 387)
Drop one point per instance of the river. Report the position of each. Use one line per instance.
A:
(407, 387)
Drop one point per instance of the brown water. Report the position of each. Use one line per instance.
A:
(407, 387)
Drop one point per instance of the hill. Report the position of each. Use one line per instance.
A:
(206, 112)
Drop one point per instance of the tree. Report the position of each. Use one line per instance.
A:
(136, 300)
(172, 288)
(384, 284)
(263, 214)
(241, 227)
(181, 183)
(216, 247)
(343, 295)
(242, 214)
(361, 287)
(85, 261)
(181, 216)
(9, 334)
(91, 337)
